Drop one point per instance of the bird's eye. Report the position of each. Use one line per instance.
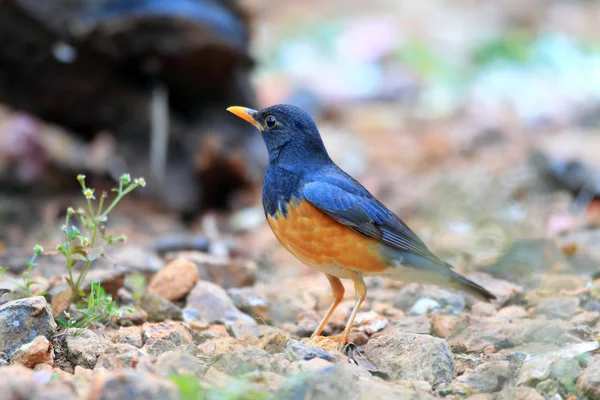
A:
(270, 121)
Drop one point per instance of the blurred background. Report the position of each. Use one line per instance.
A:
(476, 121)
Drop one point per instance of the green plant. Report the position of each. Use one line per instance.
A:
(89, 244)
(97, 308)
(236, 390)
(25, 282)
(137, 283)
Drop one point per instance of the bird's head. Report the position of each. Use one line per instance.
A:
(290, 134)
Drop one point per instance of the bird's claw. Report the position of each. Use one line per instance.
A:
(336, 342)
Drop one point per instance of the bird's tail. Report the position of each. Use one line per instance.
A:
(415, 268)
(461, 283)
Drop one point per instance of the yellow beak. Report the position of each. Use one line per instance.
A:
(247, 114)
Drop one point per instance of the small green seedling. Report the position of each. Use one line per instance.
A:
(89, 244)
(25, 283)
(98, 308)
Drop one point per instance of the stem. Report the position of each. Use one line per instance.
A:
(121, 194)
(69, 260)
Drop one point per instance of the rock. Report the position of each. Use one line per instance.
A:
(178, 363)
(560, 364)
(370, 322)
(565, 371)
(519, 393)
(138, 258)
(286, 305)
(83, 347)
(465, 362)
(548, 388)
(534, 370)
(557, 307)
(250, 302)
(315, 364)
(512, 312)
(60, 298)
(418, 324)
(412, 356)
(423, 306)
(211, 303)
(120, 355)
(175, 280)
(212, 332)
(170, 331)
(307, 323)
(526, 258)
(506, 292)
(127, 384)
(554, 284)
(483, 309)
(488, 377)
(476, 333)
(430, 297)
(21, 321)
(224, 272)
(295, 350)
(442, 325)
(585, 318)
(137, 316)
(332, 383)
(156, 347)
(111, 280)
(245, 360)
(33, 353)
(131, 335)
(273, 340)
(18, 383)
(270, 380)
(159, 309)
(589, 382)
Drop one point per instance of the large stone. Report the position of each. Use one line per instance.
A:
(21, 321)
(412, 356)
(83, 347)
(476, 333)
(175, 280)
(211, 303)
(33, 353)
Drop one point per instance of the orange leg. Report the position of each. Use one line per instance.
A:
(361, 292)
(337, 290)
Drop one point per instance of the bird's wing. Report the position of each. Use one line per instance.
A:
(356, 208)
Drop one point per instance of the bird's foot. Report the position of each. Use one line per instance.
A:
(329, 343)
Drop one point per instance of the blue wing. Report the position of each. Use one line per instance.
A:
(349, 203)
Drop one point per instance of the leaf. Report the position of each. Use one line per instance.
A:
(78, 257)
(95, 253)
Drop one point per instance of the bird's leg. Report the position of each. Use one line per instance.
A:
(361, 292)
(337, 291)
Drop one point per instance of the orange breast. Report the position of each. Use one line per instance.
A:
(321, 242)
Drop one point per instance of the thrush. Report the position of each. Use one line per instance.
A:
(332, 223)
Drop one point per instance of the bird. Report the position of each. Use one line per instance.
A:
(330, 222)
